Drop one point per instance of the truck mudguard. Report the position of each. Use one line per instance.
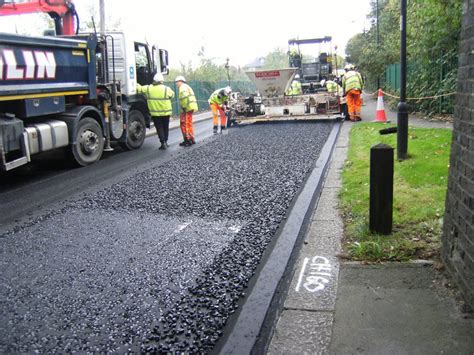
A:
(75, 114)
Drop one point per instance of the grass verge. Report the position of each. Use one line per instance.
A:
(420, 184)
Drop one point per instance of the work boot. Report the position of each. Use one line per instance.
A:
(163, 146)
(184, 143)
(222, 128)
(192, 141)
(215, 129)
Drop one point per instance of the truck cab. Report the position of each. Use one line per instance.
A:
(133, 61)
(149, 62)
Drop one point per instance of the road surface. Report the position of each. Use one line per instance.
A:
(145, 250)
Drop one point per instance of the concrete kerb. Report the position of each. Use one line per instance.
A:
(174, 122)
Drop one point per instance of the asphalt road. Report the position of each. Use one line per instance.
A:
(50, 179)
(145, 250)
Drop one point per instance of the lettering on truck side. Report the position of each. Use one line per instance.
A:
(38, 65)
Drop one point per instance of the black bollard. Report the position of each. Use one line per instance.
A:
(381, 189)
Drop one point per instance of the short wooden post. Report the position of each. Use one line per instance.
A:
(381, 189)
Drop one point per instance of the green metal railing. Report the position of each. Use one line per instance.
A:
(424, 83)
(392, 77)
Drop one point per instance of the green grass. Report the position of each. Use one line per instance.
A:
(420, 184)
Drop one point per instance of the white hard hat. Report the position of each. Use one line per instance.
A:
(349, 67)
(297, 76)
(323, 82)
(158, 78)
(227, 90)
(180, 78)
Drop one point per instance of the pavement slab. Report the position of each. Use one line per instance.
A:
(327, 205)
(312, 336)
(324, 236)
(397, 309)
(333, 178)
(314, 286)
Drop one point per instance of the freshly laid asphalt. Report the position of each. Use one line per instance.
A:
(157, 261)
(336, 307)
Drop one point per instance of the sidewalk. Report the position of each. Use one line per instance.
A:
(335, 307)
(174, 122)
(370, 106)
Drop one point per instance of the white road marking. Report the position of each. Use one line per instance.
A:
(182, 226)
(235, 229)
(318, 276)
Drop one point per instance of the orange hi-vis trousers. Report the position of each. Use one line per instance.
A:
(216, 112)
(354, 103)
(186, 124)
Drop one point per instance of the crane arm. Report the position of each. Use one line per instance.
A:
(62, 12)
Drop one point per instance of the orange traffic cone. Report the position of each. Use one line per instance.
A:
(380, 113)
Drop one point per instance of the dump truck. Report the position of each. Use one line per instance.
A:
(72, 91)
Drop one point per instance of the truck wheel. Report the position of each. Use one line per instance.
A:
(89, 142)
(136, 131)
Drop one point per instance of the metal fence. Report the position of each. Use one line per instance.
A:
(430, 85)
(392, 77)
(204, 89)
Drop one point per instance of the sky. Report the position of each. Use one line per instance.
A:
(240, 30)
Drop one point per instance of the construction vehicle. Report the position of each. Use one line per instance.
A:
(272, 86)
(73, 91)
(310, 72)
(314, 102)
(248, 106)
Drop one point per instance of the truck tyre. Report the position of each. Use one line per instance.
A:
(89, 142)
(136, 131)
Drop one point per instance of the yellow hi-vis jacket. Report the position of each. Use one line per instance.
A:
(294, 89)
(158, 98)
(331, 87)
(218, 97)
(352, 80)
(187, 99)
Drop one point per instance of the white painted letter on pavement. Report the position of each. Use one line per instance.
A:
(317, 276)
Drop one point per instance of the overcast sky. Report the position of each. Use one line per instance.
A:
(240, 29)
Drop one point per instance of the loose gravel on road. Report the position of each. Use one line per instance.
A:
(159, 261)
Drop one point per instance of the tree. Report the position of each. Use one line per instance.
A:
(433, 29)
(337, 62)
(91, 23)
(278, 58)
(208, 70)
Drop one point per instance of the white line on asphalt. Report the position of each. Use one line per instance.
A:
(182, 226)
(236, 229)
